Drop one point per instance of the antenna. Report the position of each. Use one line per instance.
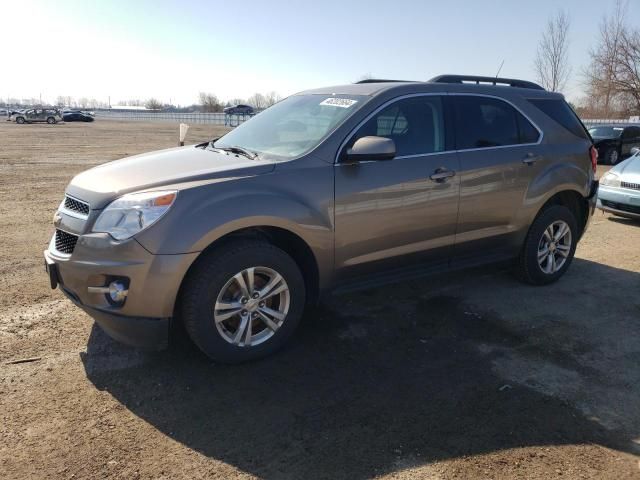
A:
(500, 69)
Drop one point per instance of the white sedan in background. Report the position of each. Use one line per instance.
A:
(619, 191)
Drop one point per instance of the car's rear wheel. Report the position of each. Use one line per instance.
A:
(549, 246)
(611, 156)
(51, 120)
(20, 120)
(242, 301)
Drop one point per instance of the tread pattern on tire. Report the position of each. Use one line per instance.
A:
(523, 268)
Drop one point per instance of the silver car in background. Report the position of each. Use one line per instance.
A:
(619, 191)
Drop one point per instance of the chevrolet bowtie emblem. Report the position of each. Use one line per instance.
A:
(57, 218)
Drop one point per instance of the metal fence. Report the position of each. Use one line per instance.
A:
(609, 121)
(209, 118)
(235, 120)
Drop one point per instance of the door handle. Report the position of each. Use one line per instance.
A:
(441, 174)
(530, 159)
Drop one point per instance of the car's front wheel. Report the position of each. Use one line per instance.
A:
(242, 301)
(549, 246)
(51, 120)
(20, 120)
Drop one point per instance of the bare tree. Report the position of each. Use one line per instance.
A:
(601, 72)
(209, 102)
(626, 75)
(235, 101)
(258, 101)
(153, 104)
(272, 98)
(552, 58)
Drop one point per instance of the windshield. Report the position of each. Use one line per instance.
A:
(606, 132)
(293, 126)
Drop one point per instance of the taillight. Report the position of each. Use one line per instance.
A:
(594, 158)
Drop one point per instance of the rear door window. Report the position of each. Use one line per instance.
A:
(485, 122)
(562, 113)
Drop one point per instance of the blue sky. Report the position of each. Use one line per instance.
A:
(172, 50)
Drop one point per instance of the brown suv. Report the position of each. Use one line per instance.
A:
(335, 188)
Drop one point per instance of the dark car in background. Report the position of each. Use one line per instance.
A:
(614, 142)
(77, 116)
(239, 110)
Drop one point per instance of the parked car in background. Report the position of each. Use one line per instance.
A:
(620, 188)
(33, 115)
(336, 188)
(614, 142)
(77, 117)
(239, 110)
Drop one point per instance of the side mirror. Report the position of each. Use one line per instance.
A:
(371, 148)
(635, 151)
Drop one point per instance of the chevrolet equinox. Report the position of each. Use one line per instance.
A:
(330, 189)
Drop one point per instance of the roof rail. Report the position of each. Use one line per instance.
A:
(381, 80)
(490, 80)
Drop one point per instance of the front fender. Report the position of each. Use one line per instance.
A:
(206, 213)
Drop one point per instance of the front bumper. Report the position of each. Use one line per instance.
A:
(153, 283)
(151, 333)
(624, 202)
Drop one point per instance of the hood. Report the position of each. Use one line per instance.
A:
(102, 184)
(629, 170)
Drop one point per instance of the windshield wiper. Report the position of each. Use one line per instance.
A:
(238, 150)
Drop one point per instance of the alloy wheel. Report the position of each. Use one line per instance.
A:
(252, 306)
(554, 247)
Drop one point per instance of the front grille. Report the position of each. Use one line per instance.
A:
(621, 206)
(65, 242)
(633, 186)
(76, 205)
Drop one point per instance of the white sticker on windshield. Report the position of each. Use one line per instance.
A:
(339, 102)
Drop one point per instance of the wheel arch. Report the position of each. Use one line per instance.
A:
(574, 201)
(288, 241)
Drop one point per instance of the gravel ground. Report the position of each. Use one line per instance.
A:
(468, 376)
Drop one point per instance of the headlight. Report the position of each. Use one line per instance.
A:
(132, 213)
(610, 180)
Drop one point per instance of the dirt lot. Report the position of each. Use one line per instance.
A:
(470, 376)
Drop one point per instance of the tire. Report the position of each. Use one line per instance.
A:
(528, 268)
(51, 120)
(20, 120)
(611, 156)
(212, 278)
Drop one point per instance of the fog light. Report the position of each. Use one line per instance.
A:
(117, 291)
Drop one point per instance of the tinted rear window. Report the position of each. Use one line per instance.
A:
(483, 122)
(561, 112)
